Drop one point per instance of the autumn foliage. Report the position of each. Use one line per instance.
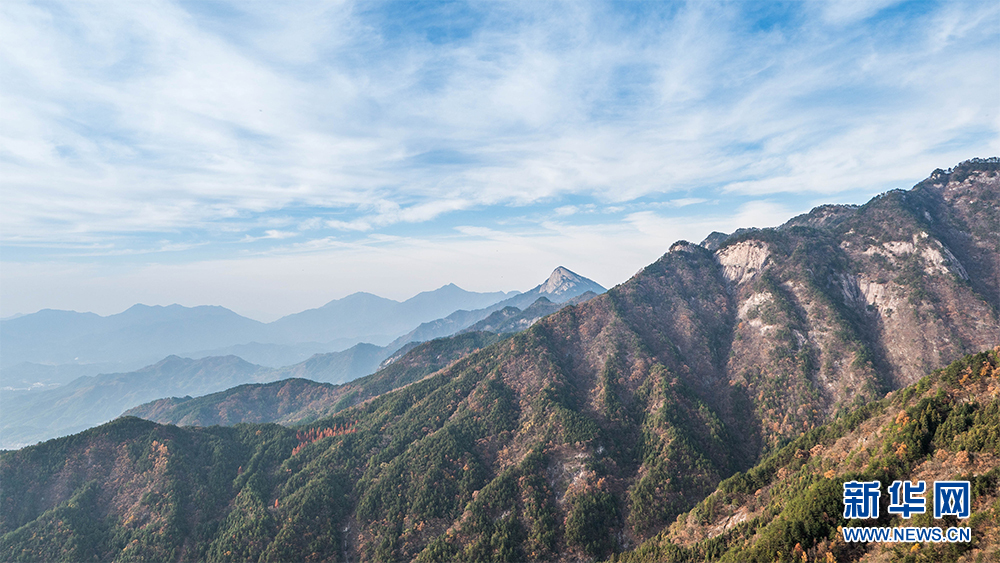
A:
(309, 436)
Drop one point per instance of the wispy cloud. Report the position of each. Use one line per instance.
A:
(683, 202)
(202, 124)
(270, 234)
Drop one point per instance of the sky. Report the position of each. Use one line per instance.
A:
(272, 156)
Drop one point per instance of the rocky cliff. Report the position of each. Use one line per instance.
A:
(582, 436)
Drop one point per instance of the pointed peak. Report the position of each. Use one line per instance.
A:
(563, 281)
(451, 287)
(563, 273)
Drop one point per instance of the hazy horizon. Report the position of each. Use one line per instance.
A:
(16, 315)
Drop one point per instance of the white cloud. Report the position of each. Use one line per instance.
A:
(129, 127)
(356, 225)
(271, 234)
(684, 201)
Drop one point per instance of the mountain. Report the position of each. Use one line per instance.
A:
(583, 436)
(27, 375)
(564, 285)
(28, 417)
(172, 493)
(511, 319)
(88, 344)
(291, 401)
(138, 333)
(338, 367)
(790, 505)
(305, 399)
(376, 319)
(561, 286)
(277, 355)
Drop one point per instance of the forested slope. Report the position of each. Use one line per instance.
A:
(297, 400)
(580, 437)
(790, 506)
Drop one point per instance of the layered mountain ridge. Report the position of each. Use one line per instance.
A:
(27, 417)
(584, 435)
(789, 507)
(30, 416)
(562, 286)
(144, 334)
(296, 400)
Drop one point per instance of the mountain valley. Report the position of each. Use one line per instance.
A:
(143, 335)
(31, 415)
(630, 425)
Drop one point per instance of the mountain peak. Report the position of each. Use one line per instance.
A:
(559, 278)
(565, 283)
(356, 297)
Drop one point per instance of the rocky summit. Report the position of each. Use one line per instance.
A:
(583, 436)
(563, 282)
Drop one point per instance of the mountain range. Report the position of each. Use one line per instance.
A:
(789, 506)
(29, 416)
(143, 334)
(298, 400)
(52, 347)
(562, 286)
(304, 399)
(600, 430)
(819, 312)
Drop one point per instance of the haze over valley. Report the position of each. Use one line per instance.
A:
(50, 391)
(448, 281)
(583, 424)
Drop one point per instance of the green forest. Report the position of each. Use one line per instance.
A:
(408, 470)
(709, 408)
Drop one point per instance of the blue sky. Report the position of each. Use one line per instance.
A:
(269, 157)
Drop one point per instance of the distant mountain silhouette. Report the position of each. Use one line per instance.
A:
(560, 287)
(94, 399)
(145, 334)
(295, 400)
(29, 416)
(374, 319)
(591, 431)
(140, 332)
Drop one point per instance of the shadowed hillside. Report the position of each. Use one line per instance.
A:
(580, 437)
(296, 400)
(790, 506)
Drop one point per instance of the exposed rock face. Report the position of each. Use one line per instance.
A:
(564, 282)
(921, 257)
(876, 290)
(741, 261)
(793, 501)
(594, 428)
